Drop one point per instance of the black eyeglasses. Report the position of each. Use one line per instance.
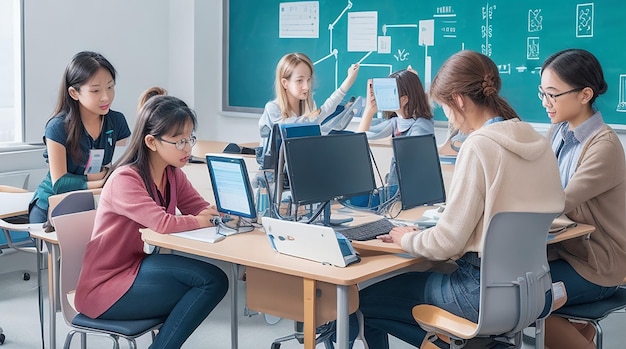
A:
(180, 144)
(552, 97)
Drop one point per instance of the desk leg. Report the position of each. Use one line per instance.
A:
(39, 247)
(309, 313)
(342, 317)
(234, 316)
(53, 288)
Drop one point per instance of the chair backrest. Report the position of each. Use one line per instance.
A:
(73, 232)
(74, 201)
(515, 275)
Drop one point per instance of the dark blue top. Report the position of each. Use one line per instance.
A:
(114, 128)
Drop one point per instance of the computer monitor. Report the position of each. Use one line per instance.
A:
(269, 160)
(232, 189)
(323, 168)
(419, 171)
(300, 130)
(280, 131)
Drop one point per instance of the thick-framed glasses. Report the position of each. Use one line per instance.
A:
(552, 97)
(180, 144)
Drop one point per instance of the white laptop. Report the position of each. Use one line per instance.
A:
(314, 242)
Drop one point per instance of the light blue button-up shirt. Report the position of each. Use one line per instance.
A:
(567, 144)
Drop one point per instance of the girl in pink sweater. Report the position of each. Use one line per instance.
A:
(118, 281)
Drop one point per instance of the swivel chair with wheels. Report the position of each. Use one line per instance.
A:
(515, 284)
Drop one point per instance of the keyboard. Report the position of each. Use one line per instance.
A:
(367, 231)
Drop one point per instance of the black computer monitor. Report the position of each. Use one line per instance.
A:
(231, 187)
(269, 160)
(419, 171)
(323, 168)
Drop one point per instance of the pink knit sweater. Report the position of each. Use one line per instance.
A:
(113, 255)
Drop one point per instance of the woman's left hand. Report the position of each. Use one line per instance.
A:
(396, 234)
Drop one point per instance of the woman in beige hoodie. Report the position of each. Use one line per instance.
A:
(503, 165)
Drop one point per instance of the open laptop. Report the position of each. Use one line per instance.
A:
(419, 171)
(314, 242)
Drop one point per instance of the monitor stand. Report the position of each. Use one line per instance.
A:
(230, 225)
(329, 221)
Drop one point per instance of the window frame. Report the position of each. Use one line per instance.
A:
(18, 78)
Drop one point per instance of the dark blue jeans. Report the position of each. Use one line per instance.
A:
(182, 289)
(579, 290)
(387, 305)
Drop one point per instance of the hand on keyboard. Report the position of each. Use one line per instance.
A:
(367, 231)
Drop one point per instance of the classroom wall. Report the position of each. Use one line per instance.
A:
(172, 43)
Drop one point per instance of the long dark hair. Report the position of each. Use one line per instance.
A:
(409, 85)
(579, 69)
(159, 116)
(83, 66)
(471, 74)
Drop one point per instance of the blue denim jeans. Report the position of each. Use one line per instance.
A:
(182, 289)
(579, 290)
(37, 215)
(387, 305)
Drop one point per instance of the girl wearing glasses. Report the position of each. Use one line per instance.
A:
(118, 280)
(593, 172)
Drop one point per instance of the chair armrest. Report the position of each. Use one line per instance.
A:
(19, 227)
(437, 320)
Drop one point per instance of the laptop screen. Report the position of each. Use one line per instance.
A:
(231, 185)
(419, 171)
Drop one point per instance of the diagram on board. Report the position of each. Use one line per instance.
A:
(584, 20)
(301, 20)
(487, 29)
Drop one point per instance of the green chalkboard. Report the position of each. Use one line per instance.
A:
(392, 34)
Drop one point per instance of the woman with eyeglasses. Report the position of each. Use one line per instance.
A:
(593, 173)
(118, 280)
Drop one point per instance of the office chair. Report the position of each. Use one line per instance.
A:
(74, 232)
(514, 284)
(595, 312)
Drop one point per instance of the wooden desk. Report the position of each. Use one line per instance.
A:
(203, 147)
(253, 250)
(14, 203)
(417, 212)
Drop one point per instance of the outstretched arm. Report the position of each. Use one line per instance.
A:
(370, 109)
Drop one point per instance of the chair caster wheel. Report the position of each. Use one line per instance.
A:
(26, 276)
(275, 346)
(2, 338)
